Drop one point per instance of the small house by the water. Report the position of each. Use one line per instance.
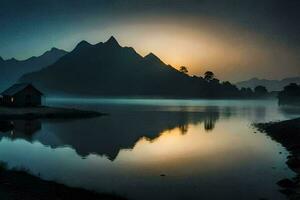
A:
(21, 95)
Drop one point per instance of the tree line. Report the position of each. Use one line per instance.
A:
(213, 87)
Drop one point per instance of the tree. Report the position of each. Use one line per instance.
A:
(292, 89)
(260, 90)
(246, 92)
(290, 95)
(183, 69)
(208, 76)
(215, 81)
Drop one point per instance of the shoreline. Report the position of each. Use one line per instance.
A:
(287, 133)
(45, 112)
(20, 185)
(151, 97)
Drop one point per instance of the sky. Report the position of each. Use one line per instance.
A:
(235, 39)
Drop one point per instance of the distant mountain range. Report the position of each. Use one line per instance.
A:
(11, 70)
(108, 69)
(271, 85)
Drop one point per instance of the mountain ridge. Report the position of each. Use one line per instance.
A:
(109, 69)
(271, 85)
(12, 69)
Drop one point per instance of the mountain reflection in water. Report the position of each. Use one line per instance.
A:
(199, 147)
(102, 136)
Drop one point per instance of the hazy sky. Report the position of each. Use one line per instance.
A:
(237, 39)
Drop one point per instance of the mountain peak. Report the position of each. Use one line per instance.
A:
(112, 42)
(152, 57)
(12, 59)
(82, 44)
(54, 49)
(52, 52)
(254, 79)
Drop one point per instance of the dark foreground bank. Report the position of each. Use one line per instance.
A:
(19, 185)
(288, 134)
(44, 112)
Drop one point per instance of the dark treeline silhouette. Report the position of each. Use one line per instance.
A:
(213, 88)
(107, 69)
(290, 95)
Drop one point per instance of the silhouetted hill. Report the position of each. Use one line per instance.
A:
(11, 70)
(108, 69)
(271, 85)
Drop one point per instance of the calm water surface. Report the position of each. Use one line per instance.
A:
(156, 149)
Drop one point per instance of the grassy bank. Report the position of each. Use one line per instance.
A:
(19, 185)
(288, 134)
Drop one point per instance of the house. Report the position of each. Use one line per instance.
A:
(21, 95)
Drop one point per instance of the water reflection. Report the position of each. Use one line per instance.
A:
(200, 148)
(108, 135)
(210, 121)
(20, 129)
(290, 111)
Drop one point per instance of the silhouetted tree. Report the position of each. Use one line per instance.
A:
(260, 90)
(215, 81)
(290, 95)
(247, 92)
(229, 90)
(243, 90)
(183, 69)
(292, 89)
(208, 76)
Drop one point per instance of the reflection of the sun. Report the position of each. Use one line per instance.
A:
(197, 149)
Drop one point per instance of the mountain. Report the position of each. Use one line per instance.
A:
(271, 85)
(108, 69)
(11, 70)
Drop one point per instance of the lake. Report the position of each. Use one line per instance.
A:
(156, 148)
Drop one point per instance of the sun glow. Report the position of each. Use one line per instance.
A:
(175, 150)
(201, 45)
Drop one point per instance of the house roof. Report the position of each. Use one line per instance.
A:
(17, 88)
